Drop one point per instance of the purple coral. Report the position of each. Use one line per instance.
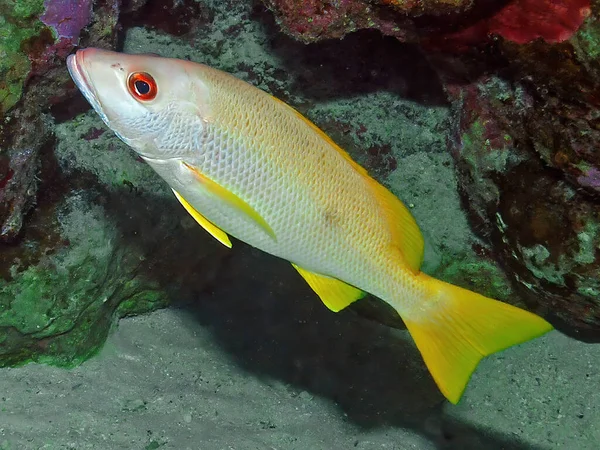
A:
(67, 18)
(591, 179)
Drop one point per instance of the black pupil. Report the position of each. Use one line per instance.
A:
(142, 87)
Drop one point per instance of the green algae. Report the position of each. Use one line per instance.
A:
(588, 38)
(478, 274)
(589, 239)
(538, 261)
(18, 23)
(60, 310)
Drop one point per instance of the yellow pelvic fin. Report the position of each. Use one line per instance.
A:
(335, 294)
(461, 327)
(231, 199)
(215, 231)
(406, 236)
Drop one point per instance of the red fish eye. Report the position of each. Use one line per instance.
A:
(142, 86)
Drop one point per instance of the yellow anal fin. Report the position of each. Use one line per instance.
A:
(231, 199)
(406, 235)
(335, 294)
(215, 231)
(461, 327)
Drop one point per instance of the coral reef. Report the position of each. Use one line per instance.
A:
(525, 110)
(525, 144)
(544, 229)
(452, 24)
(37, 36)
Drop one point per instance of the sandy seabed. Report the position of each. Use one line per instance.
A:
(167, 380)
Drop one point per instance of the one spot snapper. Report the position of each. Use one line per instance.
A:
(245, 164)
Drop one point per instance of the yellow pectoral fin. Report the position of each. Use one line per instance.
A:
(335, 294)
(231, 199)
(215, 231)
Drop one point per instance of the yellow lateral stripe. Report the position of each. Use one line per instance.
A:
(231, 199)
(335, 294)
(214, 231)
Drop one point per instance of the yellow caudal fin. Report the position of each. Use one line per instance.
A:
(335, 294)
(457, 328)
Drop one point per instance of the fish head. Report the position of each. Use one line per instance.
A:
(154, 104)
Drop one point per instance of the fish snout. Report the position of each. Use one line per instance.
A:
(84, 70)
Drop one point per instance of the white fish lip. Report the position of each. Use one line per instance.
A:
(75, 65)
(155, 160)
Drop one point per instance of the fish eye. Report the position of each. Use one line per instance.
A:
(142, 86)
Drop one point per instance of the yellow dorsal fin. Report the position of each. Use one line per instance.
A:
(215, 231)
(406, 235)
(335, 294)
(458, 328)
(231, 199)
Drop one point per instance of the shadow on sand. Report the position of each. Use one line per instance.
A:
(264, 316)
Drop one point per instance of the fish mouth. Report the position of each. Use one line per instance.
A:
(79, 74)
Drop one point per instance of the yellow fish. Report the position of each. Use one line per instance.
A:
(245, 164)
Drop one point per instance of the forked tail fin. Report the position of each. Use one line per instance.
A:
(461, 327)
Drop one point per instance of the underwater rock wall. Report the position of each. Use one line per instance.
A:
(452, 24)
(89, 233)
(526, 144)
(35, 38)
